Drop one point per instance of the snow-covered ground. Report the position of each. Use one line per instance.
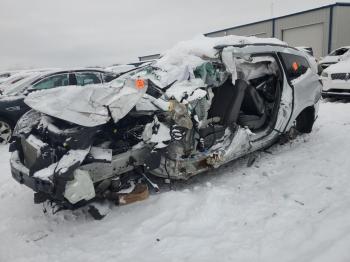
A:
(293, 204)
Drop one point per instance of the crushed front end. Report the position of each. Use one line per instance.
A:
(72, 165)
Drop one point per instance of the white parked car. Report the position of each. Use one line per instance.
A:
(334, 57)
(336, 80)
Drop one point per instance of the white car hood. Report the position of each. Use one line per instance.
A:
(329, 59)
(86, 106)
(341, 67)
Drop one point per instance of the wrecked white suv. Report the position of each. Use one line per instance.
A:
(204, 103)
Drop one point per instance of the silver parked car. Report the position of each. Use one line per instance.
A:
(204, 103)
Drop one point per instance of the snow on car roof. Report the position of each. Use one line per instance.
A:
(187, 55)
(118, 69)
(193, 51)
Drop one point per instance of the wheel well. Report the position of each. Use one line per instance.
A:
(305, 120)
(6, 119)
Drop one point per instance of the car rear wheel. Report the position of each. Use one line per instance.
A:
(5, 131)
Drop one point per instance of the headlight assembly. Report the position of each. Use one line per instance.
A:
(324, 74)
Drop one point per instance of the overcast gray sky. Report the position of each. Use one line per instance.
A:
(64, 33)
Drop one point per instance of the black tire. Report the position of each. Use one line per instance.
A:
(306, 120)
(6, 129)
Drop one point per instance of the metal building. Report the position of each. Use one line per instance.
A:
(324, 29)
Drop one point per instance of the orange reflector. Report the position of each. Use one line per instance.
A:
(295, 66)
(140, 83)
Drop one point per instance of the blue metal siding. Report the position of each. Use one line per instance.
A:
(272, 19)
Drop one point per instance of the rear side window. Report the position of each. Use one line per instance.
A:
(52, 81)
(294, 65)
(88, 78)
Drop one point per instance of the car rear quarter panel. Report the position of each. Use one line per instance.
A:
(307, 92)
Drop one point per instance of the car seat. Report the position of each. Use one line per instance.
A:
(252, 113)
(226, 106)
(227, 101)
